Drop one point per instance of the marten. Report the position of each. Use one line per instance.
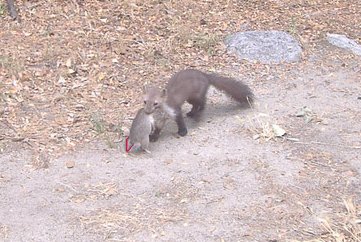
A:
(192, 85)
(149, 120)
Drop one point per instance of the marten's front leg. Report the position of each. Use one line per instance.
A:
(197, 107)
(182, 129)
(160, 119)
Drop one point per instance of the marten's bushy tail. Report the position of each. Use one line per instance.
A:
(236, 89)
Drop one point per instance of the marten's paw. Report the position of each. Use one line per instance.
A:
(182, 132)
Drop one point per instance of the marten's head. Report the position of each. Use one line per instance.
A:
(153, 99)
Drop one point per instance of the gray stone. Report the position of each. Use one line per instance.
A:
(342, 41)
(264, 46)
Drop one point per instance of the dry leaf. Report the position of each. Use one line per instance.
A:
(278, 131)
(70, 163)
(68, 63)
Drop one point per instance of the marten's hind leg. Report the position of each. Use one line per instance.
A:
(197, 106)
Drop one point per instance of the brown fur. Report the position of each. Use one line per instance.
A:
(192, 86)
(154, 98)
(236, 89)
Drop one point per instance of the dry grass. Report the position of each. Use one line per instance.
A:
(347, 225)
(101, 190)
(40, 161)
(109, 132)
(262, 126)
(119, 223)
(180, 191)
(342, 227)
(2, 9)
(166, 205)
(4, 231)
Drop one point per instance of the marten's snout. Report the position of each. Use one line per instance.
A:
(148, 111)
(148, 108)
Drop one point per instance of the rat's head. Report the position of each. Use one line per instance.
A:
(153, 99)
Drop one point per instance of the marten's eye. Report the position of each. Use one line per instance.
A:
(155, 104)
(145, 102)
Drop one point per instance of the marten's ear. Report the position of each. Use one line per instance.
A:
(164, 93)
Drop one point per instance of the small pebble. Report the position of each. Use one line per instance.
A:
(70, 163)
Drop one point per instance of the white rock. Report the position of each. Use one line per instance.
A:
(342, 41)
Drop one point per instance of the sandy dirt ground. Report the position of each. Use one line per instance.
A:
(230, 179)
